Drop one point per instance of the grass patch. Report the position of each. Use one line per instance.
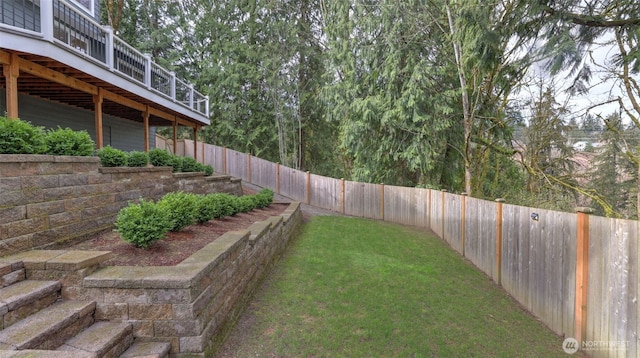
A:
(358, 288)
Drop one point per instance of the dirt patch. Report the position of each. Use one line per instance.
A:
(176, 246)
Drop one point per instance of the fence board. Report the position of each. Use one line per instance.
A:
(263, 173)
(215, 158)
(372, 201)
(407, 206)
(436, 213)
(568, 234)
(633, 308)
(613, 287)
(354, 198)
(599, 231)
(325, 192)
(480, 234)
(515, 258)
(237, 164)
(293, 183)
(452, 225)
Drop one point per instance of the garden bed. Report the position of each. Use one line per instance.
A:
(176, 246)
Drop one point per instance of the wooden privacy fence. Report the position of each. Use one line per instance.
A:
(577, 273)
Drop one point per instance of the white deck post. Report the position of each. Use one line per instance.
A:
(46, 20)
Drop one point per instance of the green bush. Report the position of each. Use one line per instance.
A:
(224, 205)
(137, 159)
(69, 142)
(112, 157)
(189, 165)
(264, 198)
(247, 203)
(160, 158)
(143, 223)
(182, 208)
(206, 208)
(176, 163)
(208, 170)
(20, 137)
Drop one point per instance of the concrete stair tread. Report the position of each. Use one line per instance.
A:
(147, 350)
(101, 338)
(32, 331)
(24, 292)
(32, 353)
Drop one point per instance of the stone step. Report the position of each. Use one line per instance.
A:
(147, 350)
(104, 339)
(25, 298)
(33, 353)
(11, 272)
(49, 328)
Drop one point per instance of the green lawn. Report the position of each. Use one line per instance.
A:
(359, 288)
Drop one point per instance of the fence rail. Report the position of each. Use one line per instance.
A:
(578, 274)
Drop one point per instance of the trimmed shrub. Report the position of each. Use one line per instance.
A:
(206, 208)
(264, 198)
(176, 163)
(137, 159)
(20, 137)
(181, 207)
(112, 157)
(208, 170)
(160, 158)
(69, 142)
(143, 223)
(247, 203)
(189, 165)
(224, 205)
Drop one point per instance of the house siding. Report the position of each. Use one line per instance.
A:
(117, 132)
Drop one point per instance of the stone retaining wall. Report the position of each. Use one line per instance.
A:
(47, 200)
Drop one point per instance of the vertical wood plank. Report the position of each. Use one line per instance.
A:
(582, 274)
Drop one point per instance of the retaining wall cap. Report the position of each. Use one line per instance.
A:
(119, 170)
(38, 158)
(219, 177)
(188, 174)
(77, 259)
(142, 277)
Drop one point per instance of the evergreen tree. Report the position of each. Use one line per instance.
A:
(614, 175)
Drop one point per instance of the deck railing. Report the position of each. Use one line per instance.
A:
(61, 23)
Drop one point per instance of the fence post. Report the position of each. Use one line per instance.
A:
(463, 215)
(278, 178)
(224, 160)
(382, 201)
(308, 187)
(582, 272)
(249, 167)
(498, 273)
(342, 194)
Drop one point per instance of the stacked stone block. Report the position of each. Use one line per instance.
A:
(48, 200)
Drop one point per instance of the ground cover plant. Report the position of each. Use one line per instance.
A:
(352, 287)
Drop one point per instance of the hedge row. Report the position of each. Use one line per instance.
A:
(112, 157)
(144, 222)
(21, 137)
